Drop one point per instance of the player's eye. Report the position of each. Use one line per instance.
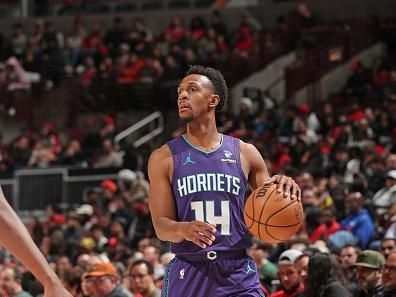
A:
(192, 89)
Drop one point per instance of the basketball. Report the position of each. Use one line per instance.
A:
(272, 217)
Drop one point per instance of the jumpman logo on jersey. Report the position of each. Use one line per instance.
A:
(248, 268)
(188, 160)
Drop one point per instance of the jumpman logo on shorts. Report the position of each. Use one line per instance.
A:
(248, 268)
(188, 160)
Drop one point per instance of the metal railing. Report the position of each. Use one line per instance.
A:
(34, 189)
(152, 118)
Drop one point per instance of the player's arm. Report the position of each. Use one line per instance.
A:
(258, 173)
(163, 208)
(16, 238)
(253, 163)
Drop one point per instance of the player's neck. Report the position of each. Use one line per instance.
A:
(203, 135)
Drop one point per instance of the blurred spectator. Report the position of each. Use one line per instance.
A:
(141, 274)
(42, 155)
(116, 35)
(18, 41)
(71, 279)
(369, 265)
(133, 185)
(301, 264)
(267, 270)
(289, 279)
(389, 276)
(329, 226)
(348, 256)
(109, 157)
(386, 196)
(11, 282)
(387, 246)
(103, 281)
(152, 255)
(15, 77)
(358, 220)
(324, 278)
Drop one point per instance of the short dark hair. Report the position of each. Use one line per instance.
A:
(217, 80)
(150, 268)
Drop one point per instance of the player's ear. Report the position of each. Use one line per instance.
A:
(214, 100)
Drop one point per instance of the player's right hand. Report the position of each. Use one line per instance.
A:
(198, 232)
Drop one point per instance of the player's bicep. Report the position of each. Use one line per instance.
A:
(258, 173)
(161, 201)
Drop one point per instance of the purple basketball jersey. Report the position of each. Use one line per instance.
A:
(210, 186)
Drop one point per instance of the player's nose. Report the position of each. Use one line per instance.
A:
(182, 96)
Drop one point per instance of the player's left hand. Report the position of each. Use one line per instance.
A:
(286, 185)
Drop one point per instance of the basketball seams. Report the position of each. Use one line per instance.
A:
(262, 210)
(276, 226)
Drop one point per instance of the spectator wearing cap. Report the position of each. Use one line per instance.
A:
(104, 281)
(389, 276)
(386, 196)
(369, 265)
(11, 282)
(387, 246)
(291, 285)
(133, 185)
(141, 274)
(358, 220)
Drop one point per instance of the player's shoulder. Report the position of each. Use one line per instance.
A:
(247, 148)
(161, 153)
(160, 157)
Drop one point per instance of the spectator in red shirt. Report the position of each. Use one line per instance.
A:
(329, 226)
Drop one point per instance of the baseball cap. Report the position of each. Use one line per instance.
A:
(289, 256)
(391, 174)
(85, 209)
(370, 259)
(102, 269)
(108, 184)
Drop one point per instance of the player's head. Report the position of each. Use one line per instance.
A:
(201, 91)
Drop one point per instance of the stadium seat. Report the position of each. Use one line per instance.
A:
(125, 7)
(177, 4)
(98, 8)
(152, 6)
(203, 3)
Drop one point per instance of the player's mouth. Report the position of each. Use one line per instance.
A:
(184, 108)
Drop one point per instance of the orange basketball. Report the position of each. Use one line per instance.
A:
(271, 217)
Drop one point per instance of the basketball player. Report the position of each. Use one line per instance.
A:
(197, 189)
(17, 240)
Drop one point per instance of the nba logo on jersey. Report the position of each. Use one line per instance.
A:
(182, 274)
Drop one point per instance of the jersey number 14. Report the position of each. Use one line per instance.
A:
(205, 211)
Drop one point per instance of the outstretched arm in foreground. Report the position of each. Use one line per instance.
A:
(17, 240)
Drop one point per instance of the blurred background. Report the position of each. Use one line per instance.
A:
(88, 90)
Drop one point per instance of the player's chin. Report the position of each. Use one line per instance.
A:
(184, 118)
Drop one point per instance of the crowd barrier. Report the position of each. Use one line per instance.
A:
(34, 189)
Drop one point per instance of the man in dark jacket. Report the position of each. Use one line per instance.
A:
(369, 265)
(389, 276)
